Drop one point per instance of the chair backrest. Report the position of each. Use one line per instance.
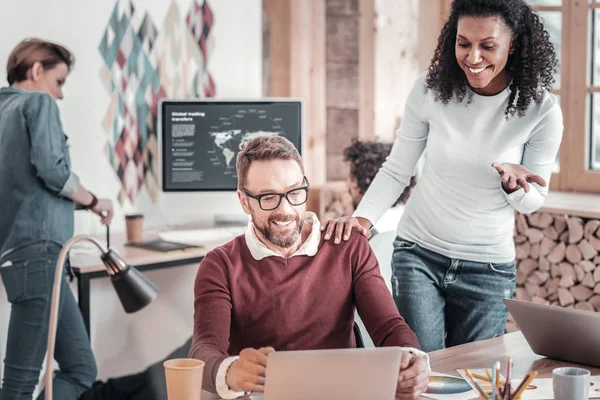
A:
(383, 247)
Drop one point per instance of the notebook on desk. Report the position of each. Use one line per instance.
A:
(163, 246)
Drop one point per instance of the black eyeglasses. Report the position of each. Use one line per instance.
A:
(270, 201)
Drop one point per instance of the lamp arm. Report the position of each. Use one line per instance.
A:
(55, 301)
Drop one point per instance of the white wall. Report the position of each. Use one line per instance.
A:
(126, 343)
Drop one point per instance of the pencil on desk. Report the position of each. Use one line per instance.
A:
(494, 381)
(482, 377)
(521, 388)
(497, 368)
(477, 387)
(506, 393)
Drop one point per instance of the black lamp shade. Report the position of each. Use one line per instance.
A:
(134, 290)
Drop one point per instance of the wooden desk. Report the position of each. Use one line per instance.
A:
(89, 266)
(484, 354)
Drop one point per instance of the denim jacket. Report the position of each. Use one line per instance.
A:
(35, 171)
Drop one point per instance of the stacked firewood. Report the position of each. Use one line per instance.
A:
(558, 261)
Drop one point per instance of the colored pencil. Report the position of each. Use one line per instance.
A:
(477, 387)
(521, 388)
(506, 393)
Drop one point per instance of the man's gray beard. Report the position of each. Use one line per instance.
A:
(279, 241)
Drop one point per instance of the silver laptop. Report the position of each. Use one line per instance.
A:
(349, 374)
(556, 332)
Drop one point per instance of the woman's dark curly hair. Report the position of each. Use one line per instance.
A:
(531, 66)
(365, 158)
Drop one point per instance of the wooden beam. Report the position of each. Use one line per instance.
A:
(579, 176)
(279, 44)
(431, 21)
(366, 70)
(307, 79)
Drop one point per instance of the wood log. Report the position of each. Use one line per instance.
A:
(557, 254)
(534, 251)
(588, 280)
(539, 277)
(595, 242)
(543, 264)
(595, 301)
(597, 288)
(552, 286)
(597, 275)
(564, 237)
(553, 296)
(584, 305)
(566, 282)
(567, 269)
(575, 229)
(551, 232)
(597, 260)
(520, 239)
(534, 235)
(545, 220)
(521, 224)
(532, 289)
(554, 271)
(573, 254)
(598, 233)
(546, 246)
(527, 266)
(521, 294)
(587, 250)
(588, 266)
(565, 297)
(539, 300)
(579, 273)
(590, 228)
(581, 293)
(522, 251)
(543, 292)
(554, 303)
(560, 223)
(522, 278)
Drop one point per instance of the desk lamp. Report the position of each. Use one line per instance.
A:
(134, 290)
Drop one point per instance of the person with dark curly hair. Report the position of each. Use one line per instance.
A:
(366, 158)
(491, 129)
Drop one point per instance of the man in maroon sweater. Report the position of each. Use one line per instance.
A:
(281, 287)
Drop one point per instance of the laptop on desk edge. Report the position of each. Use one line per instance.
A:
(349, 374)
(560, 333)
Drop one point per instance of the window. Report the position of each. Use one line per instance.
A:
(574, 27)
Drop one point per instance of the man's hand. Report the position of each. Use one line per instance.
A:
(413, 377)
(247, 374)
(516, 176)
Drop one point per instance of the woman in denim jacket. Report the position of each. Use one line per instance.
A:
(37, 198)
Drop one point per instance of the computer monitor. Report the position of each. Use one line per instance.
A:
(201, 138)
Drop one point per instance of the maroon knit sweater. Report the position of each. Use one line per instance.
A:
(298, 303)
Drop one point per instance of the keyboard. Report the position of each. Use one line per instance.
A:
(202, 236)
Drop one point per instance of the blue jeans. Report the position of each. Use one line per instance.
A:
(28, 283)
(447, 301)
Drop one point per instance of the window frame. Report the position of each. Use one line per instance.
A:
(575, 174)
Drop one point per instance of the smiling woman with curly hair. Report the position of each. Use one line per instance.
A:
(530, 65)
(491, 129)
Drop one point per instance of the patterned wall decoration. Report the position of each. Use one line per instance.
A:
(142, 65)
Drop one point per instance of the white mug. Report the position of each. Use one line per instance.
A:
(571, 383)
